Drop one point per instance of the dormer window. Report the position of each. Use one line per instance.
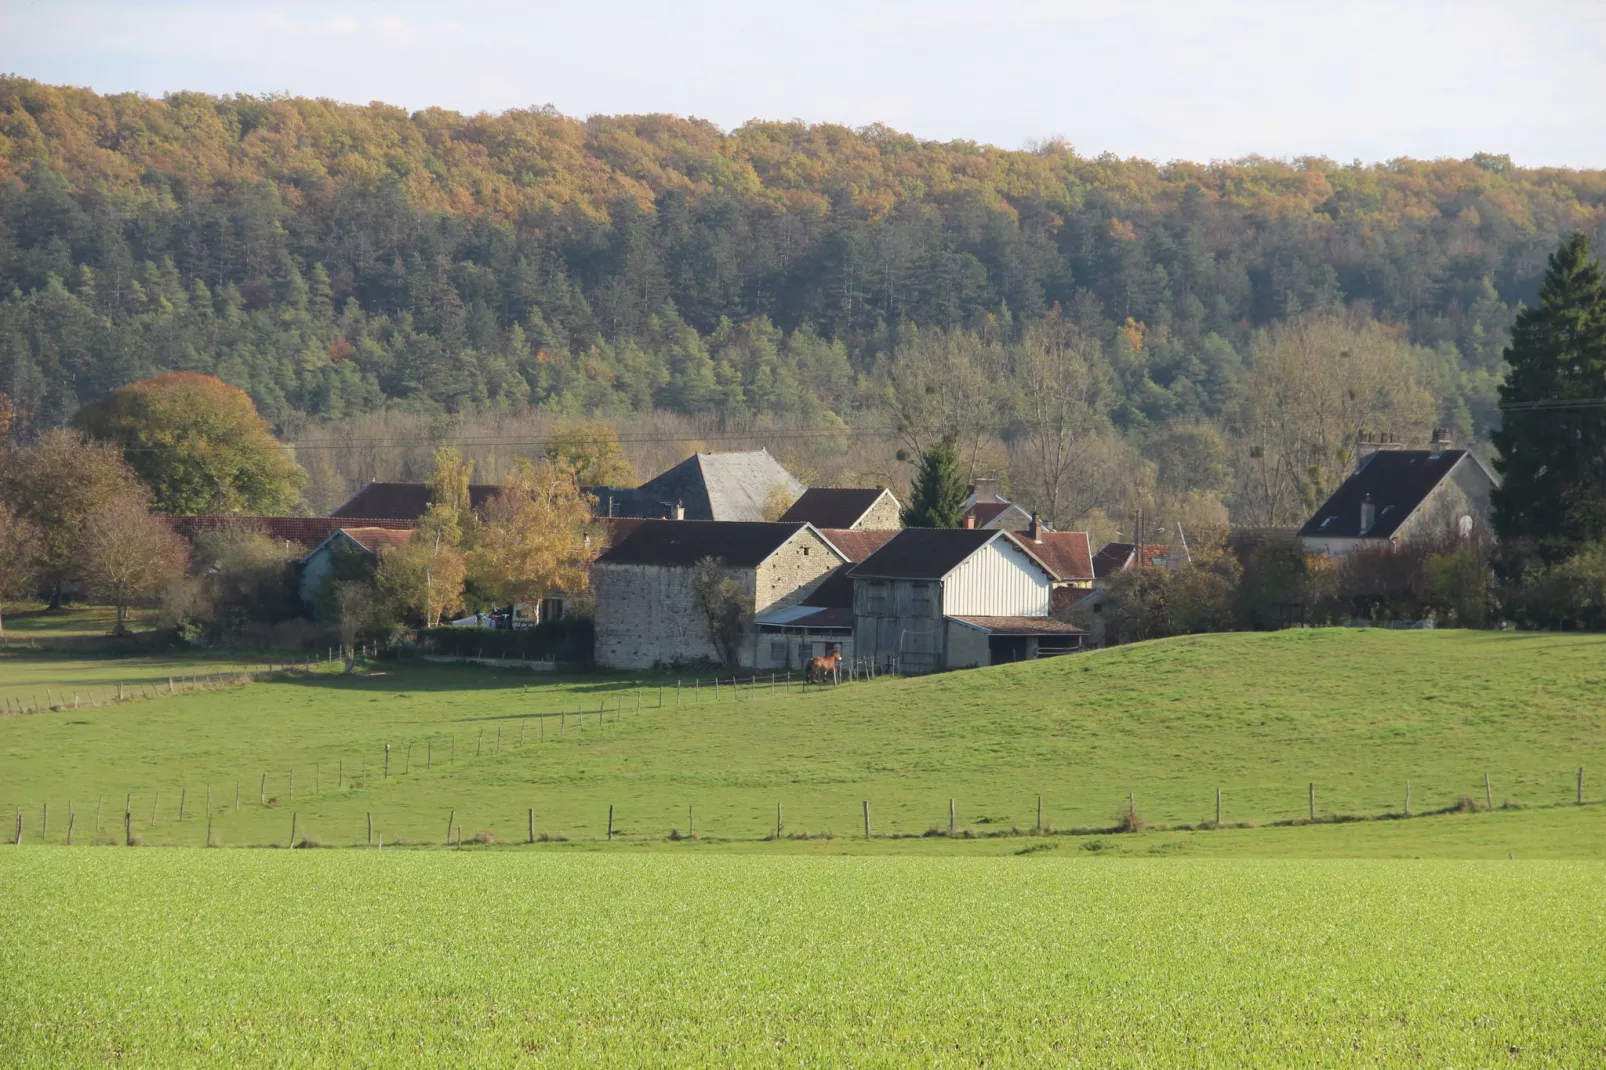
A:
(1368, 514)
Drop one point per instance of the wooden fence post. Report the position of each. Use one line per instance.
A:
(293, 816)
(532, 824)
(450, 821)
(128, 828)
(498, 739)
(44, 825)
(98, 804)
(522, 722)
(209, 827)
(867, 819)
(407, 762)
(156, 800)
(183, 797)
(691, 821)
(780, 825)
(1313, 800)
(1488, 792)
(17, 839)
(1218, 808)
(1407, 798)
(387, 761)
(370, 827)
(610, 821)
(479, 744)
(72, 819)
(1039, 813)
(1580, 785)
(952, 819)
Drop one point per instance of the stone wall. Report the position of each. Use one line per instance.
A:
(648, 615)
(884, 515)
(793, 571)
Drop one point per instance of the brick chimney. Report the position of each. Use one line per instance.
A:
(970, 520)
(679, 512)
(985, 488)
(1035, 531)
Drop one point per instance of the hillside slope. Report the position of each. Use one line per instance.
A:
(1261, 716)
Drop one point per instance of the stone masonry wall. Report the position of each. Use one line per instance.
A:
(884, 515)
(648, 615)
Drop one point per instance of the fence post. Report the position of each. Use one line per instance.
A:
(1580, 785)
(293, 816)
(17, 840)
(72, 819)
(98, 804)
(691, 821)
(867, 819)
(1407, 798)
(1488, 792)
(44, 825)
(522, 722)
(1218, 808)
(183, 797)
(156, 801)
(209, 828)
(532, 824)
(128, 828)
(450, 821)
(1039, 813)
(780, 825)
(610, 821)
(1313, 800)
(952, 821)
(498, 739)
(370, 827)
(387, 761)
(479, 744)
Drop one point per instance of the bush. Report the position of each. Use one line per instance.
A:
(1570, 595)
(569, 640)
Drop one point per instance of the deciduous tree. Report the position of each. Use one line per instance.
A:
(535, 537)
(129, 555)
(198, 443)
(19, 550)
(592, 451)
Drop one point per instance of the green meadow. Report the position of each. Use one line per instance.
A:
(406, 958)
(1159, 727)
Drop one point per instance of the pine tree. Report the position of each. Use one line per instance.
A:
(938, 497)
(1552, 461)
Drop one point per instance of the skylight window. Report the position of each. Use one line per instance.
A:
(1326, 522)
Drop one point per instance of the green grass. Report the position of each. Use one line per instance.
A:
(165, 958)
(1358, 713)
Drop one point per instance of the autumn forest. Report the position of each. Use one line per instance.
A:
(1193, 339)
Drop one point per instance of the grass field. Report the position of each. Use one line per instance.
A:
(172, 958)
(1357, 713)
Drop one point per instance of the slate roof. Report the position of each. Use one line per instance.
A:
(858, 544)
(712, 486)
(1397, 480)
(834, 507)
(1068, 554)
(308, 531)
(404, 501)
(1116, 556)
(835, 591)
(923, 553)
(683, 543)
(1021, 625)
(986, 512)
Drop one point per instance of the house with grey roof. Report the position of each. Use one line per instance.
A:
(364, 544)
(936, 598)
(648, 610)
(706, 486)
(1400, 495)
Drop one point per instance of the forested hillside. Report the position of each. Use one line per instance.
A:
(335, 259)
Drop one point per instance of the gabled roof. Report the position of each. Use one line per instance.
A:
(1113, 557)
(1397, 481)
(834, 507)
(683, 543)
(932, 553)
(711, 486)
(374, 540)
(404, 501)
(1068, 554)
(308, 531)
(858, 544)
(988, 512)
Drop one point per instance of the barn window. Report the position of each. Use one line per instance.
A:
(920, 600)
(805, 551)
(778, 650)
(551, 609)
(875, 598)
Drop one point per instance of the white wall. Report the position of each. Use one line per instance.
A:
(999, 580)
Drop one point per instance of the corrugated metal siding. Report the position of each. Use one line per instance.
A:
(997, 581)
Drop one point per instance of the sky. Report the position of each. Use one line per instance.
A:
(1163, 80)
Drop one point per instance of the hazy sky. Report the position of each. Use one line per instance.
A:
(1195, 79)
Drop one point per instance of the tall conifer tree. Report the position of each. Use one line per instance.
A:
(1552, 439)
(938, 497)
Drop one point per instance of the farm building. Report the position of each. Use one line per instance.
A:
(954, 598)
(847, 508)
(985, 508)
(366, 543)
(822, 623)
(705, 486)
(290, 532)
(648, 611)
(1398, 495)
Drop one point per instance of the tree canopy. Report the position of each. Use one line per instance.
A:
(198, 444)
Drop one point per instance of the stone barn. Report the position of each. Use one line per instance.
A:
(647, 609)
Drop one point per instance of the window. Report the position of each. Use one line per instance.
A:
(920, 600)
(805, 551)
(551, 609)
(1327, 521)
(875, 598)
(778, 650)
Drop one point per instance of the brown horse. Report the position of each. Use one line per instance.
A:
(822, 669)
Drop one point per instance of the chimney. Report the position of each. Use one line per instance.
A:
(986, 489)
(1366, 445)
(1440, 443)
(1368, 514)
(970, 520)
(1035, 532)
(680, 511)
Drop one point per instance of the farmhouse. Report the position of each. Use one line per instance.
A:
(1400, 495)
(847, 508)
(705, 486)
(366, 543)
(954, 598)
(648, 612)
(985, 508)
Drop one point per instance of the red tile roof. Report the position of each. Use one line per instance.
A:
(1022, 625)
(377, 540)
(307, 531)
(1068, 553)
(986, 512)
(856, 545)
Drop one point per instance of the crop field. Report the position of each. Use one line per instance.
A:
(171, 958)
(1354, 715)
